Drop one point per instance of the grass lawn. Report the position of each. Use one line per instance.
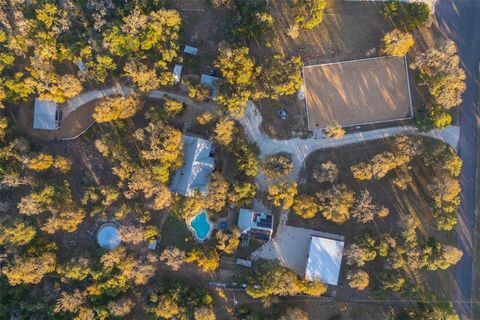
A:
(175, 233)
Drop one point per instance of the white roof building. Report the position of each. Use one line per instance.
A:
(46, 115)
(324, 260)
(211, 82)
(190, 50)
(198, 164)
(256, 225)
(177, 73)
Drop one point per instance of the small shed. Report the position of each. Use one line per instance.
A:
(46, 115)
(324, 260)
(190, 50)
(177, 73)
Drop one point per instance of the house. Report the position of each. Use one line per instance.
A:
(255, 225)
(357, 92)
(46, 115)
(198, 164)
(324, 259)
(177, 73)
(211, 82)
(190, 50)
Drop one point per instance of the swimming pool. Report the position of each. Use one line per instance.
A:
(201, 226)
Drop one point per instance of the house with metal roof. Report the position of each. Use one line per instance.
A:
(199, 163)
(46, 115)
(324, 259)
(255, 225)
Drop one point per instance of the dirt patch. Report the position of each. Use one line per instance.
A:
(356, 92)
(294, 126)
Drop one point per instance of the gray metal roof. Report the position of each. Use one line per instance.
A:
(211, 82)
(45, 115)
(177, 73)
(197, 167)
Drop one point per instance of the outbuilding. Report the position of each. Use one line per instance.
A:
(324, 260)
(46, 115)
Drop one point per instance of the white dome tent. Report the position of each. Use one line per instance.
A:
(108, 236)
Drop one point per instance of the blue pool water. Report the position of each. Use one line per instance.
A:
(201, 226)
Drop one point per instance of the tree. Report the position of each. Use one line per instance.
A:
(120, 307)
(29, 269)
(173, 257)
(41, 162)
(438, 117)
(198, 91)
(309, 13)
(274, 280)
(78, 268)
(178, 300)
(364, 210)
(67, 218)
(192, 205)
(306, 206)
(247, 157)
(239, 72)
(412, 15)
(362, 251)
(436, 255)
(69, 302)
(278, 166)
(281, 77)
(172, 108)
(217, 192)
(358, 280)
(205, 118)
(224, 131)
(115, 108)
(283, 194)
(228, 241)
(397, 43)
(441, 73)
(207, 259)
(294, 314)
(335, 203)
(254, 21)
(144, 78)
(325, 172)
(392, 282)
(132, 234)
(336, 132)
(204, 313)
(16, 233)
(242, 194)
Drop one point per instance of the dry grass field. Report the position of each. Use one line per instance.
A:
(357, 92)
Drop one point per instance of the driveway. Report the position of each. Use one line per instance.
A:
(459, 21)
(301, 148)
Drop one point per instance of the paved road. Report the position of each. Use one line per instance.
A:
(459, 20)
